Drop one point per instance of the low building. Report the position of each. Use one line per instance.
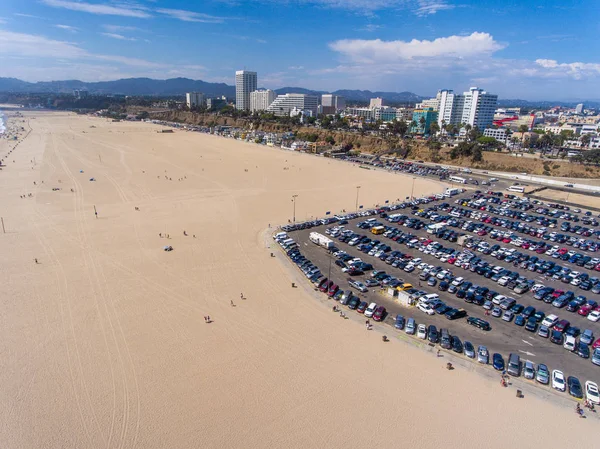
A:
(215, 104)
(423, 118)
(283, 104)
(500, 134)
(330, 104)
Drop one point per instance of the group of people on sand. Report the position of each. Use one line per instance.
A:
(29, 195)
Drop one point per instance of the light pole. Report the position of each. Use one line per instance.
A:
(357, 190)
(294, 203)
(412, 192)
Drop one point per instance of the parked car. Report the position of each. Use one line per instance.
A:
(542, 374)
(379, 314)
(498, 362)
(574, 386)
(558, 380)
(528, 370)
(422, 331)
(591, 392)
(483, 355)
(468, 349)
(399, 323)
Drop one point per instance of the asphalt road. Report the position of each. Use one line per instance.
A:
(505, 337)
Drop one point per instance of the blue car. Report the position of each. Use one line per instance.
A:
(399, 324)
(498, 362)
(520, 320)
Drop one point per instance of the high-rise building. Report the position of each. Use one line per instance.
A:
(579, 108)
(475, 108)
(283, 104)
(332, 103)
(376, 103)
(260, 100)
(194, 99)
(245, 83)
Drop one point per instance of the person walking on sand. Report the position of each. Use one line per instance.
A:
(438, 352)
(232, 304)
(242, 296)
(36, 261)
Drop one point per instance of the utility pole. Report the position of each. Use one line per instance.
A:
(357, 190)
(294, 202)
(412, 193)
(2, 220)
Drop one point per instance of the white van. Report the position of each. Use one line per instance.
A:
(370, 310)
(280, 236)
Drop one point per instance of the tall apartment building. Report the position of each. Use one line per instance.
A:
(245, 83)
(193, 99)
(579, 108)
(332, 103)
(260, 100)
(283, 104)
(376, 103)
(475, 108)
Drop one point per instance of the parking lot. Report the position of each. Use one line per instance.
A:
(505, 337)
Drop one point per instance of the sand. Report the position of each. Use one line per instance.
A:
(104, 344)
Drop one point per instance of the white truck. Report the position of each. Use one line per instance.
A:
(321, 240)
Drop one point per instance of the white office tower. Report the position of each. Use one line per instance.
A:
(283, 104)
(579, 109)
(376, 103)
(193, 99)
(245, 83)
(475, 108)
(332, 103)
(260, 100)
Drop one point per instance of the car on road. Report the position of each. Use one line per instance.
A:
(399, 323)
(370, 310)
(591, 392)
(425, 308)
(422, 332)
(358, 286)
(542, 374)
(457, 345)
(379, 314)
(483, 356)
(468, 349)
(558, 380)
(498, 362)
(478, 322)
(454, 314)
(362, 307)
(575, 389)
(528, 370)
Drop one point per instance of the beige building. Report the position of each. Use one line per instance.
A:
(260, 100)
(376, 103)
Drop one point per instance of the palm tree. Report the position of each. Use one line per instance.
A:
(413, 125)
(434, 128)
(422, 122)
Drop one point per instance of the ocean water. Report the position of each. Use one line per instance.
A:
(2, 128)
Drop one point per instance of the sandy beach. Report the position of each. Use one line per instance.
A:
(103, 342)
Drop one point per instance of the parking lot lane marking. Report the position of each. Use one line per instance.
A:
(527, 353)
(527, 343)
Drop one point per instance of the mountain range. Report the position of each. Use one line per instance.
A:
(179, 86)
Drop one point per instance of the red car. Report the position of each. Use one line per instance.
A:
(379, 313)
(597, 267)
(362, 307)
(557, 293)
(332, 290)
(452, 260)
(324, 286)
(562, 326)
(585, 310)
(596, 344)
(506, 240)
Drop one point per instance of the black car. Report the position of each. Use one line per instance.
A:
(557, 337)
(457, 344)
(575, 389)
(454, 314)
(432, 334)
(531, 324)
(443, 286)
(354, 302)
(583, 350)
(478, 322)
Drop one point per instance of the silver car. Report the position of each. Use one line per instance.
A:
(483, 356)
(528, 370)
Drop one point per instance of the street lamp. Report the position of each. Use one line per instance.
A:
(294, 203)
(357, 189)
(412, 192)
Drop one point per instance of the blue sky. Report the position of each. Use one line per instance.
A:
(527, 49)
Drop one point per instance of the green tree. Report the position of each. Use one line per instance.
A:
(585, 140)
(434, 128)
(523, 128)
(413, 126)
(422, 124)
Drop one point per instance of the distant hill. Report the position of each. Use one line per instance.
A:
(179, 86)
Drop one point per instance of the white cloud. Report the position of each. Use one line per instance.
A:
(29, 16)
(189, 16)
(125, 10)
(119, 37)
(119, 28)
(427, 7)
(378, 51)
(370, 27)
(575, 70)
(67, 28)
(39, 46)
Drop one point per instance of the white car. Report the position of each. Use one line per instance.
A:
(359, 286)
(422, 331)
(442, 274)
(458, 281)
(558, 380)
(422, 265)
(594, 315)
(591, 392)
(370, 310)
(425, 308)
(550, 320)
